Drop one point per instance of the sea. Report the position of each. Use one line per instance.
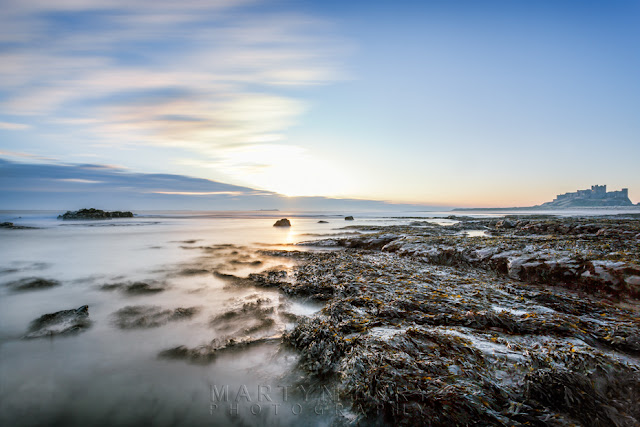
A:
(114, 375)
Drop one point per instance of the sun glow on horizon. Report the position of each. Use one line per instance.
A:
(287, 170)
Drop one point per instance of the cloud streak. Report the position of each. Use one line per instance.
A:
(201, 76)
(13, 126)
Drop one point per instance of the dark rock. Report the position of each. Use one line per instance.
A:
(192, 272)
(94, 214)
(348, 218)
(271, 278)
(505, 223)
(32, 284)
(65, 322)
(142, 288)
(376, 242)
(135, 287)
(12, 226)
(207, 353)
(149, 316)
(284, 222)
(323, 222)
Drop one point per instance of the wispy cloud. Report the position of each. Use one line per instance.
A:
(199, 75)
(16, 155)
(80, 180)
(13, 126)
(200, 193)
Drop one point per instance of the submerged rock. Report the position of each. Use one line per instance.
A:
(207, 353)
(32, 284)
(94, 214)
(284, 222)
(253, 318)
(135, 288)
(65, 322)
(192, 271)
(12, 226)
(323, 222)
(150, 316)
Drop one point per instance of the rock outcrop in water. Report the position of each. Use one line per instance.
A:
(32, 284)
(207, 353)
(150, 316)
(65, 322)
(135, 288)
(284, 222)
(12, 226)
(94, 214)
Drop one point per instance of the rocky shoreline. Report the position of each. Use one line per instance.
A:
(535, 324)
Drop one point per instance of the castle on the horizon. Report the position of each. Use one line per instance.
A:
(596, 196)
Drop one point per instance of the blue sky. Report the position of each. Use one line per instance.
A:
(435, 102)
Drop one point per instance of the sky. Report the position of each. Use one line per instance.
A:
(442, 103)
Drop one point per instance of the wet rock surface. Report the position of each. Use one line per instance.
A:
(12, 226)
(65, 322)
(31, 284)
(597, 255)
(209, 352)
(94, 214)
(150, 316)
(284, 222)
(424, 326)
(135, 288)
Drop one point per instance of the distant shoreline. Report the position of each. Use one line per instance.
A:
(545, 208)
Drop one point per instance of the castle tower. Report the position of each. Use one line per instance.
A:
(598, 191)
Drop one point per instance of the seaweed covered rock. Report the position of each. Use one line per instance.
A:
(149, 316)
(555, 251)
(94, 214)
(284, 222)
(207, 353)
(65, 322)
(409, 342)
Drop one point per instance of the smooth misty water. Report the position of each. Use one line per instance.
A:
(107, 375)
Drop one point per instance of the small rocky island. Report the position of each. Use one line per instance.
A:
(94, 214)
